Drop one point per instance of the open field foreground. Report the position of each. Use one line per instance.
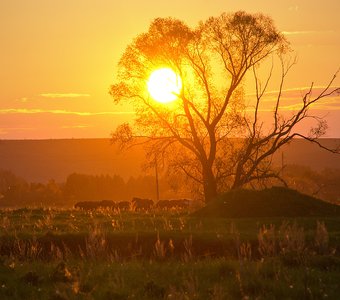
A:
(73, 254)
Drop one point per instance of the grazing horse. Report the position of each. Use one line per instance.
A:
(91, 205)
(164, 204)
(141, 204)
(173, 204)
(123, 205)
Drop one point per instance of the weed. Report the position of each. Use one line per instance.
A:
(62, 273)
(159, 249)
(154, 291)
(245, 251)
(321, 238)
(190, 286)
(267, 241)
(291, 238)
(188, 255)
(96, 243)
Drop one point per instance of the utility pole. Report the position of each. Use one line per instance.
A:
(282, 163)
(157, 182)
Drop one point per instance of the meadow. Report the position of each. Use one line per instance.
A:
(105, 254)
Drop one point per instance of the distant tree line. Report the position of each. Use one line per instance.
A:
(91, 187)
(16, 191)
(324, 184)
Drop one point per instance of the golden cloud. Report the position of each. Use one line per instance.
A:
(60, 111)
(64, 95)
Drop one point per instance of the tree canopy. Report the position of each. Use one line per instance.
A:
(209, 134)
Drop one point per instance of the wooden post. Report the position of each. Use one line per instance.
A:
(157, 183)
(282, 163)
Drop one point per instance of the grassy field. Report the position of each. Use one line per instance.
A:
(72, 254)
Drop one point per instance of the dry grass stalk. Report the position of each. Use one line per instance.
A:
(321, 238)
(267, 241)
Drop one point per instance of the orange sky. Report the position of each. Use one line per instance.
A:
(58, 58)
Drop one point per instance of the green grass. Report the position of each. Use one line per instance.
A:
(71, 254)
(205, 279)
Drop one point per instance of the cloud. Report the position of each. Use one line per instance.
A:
(7, 129)
(293, 8)
(64, 95)
(59, 111)
(291, 99)
(76, 126)
(304, 32)
(298, 91)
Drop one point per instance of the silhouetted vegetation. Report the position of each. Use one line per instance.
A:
(323, 184)
(273, 202)
(80, 187)
(17, 192)
(213, 59)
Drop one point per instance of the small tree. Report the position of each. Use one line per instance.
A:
(208, 133)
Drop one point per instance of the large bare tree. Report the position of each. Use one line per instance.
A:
(208, 133)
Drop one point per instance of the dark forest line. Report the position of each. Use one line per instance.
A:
(17, 192)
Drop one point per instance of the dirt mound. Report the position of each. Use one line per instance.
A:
(273, 202)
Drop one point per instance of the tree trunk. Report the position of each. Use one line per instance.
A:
(236, 185)
(209, 185)
(238, 180)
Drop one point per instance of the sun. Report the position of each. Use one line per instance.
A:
(164, 85)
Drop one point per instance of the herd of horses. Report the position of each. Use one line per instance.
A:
(136, 204)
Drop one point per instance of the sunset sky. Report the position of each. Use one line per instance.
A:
(58, 58)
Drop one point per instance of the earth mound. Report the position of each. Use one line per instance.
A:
(272, 202)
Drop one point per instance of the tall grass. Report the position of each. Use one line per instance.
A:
(124, 255)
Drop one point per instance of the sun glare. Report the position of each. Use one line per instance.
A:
(164, 85)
